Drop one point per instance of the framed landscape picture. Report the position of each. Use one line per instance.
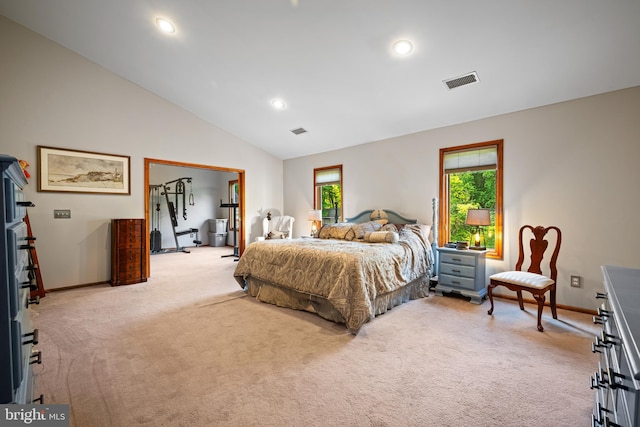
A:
(63, 170)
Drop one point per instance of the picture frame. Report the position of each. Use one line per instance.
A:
(76, 171)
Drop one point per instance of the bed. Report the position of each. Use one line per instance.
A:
(350, 273)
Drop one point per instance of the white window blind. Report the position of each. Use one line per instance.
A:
(471, 160)
(328, 176)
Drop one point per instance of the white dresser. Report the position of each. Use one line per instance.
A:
(617, 380)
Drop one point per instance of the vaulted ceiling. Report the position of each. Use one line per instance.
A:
(332, 62)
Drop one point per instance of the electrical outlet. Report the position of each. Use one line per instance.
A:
(62, 213)
(576, 281)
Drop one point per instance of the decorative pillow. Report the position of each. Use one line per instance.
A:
(378, 214)
(360, 229)
(276, 235)
(389, 227)
(334, 231)
(381, 237)
(351, 235)
(324, 231)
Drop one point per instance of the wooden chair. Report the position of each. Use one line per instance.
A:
(531, 280)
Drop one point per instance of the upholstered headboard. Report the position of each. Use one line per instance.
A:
(393, 217)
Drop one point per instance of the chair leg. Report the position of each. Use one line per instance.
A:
(540, 299)
(552, 303)
(490, 295)
(520, 300)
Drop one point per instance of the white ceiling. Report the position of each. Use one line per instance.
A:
(332, 63)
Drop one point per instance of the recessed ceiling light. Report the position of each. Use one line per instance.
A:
(165, 25)
(278, 103)
(402, 47)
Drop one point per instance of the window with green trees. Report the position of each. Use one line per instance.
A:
(328, 193)
(471, 178)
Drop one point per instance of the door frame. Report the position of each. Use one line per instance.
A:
(240, 172)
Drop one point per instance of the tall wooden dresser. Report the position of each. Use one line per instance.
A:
(128, 251)
(17, 336)
(617, 380)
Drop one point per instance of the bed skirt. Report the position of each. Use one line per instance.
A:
(289, 298)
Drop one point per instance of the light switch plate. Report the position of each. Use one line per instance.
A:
(576, 281)
(62, 213)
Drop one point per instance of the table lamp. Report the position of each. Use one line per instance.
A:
(314, 216)
(478, 218)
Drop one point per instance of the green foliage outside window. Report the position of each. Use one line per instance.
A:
(471, 190)
(331, 203)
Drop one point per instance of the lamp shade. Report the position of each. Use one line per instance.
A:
(478, 217)
(314, 215)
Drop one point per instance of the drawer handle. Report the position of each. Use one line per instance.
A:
(456, 271)
(608, 338)
(36, 357)
(455, 282)
(603, 313)
(598, 419)
(595, 381)
(611, 379)
(456, 259)
(597, 320)
(32, 285)
(33, 340)
(34, 300)
(601, 295)
(597, 344)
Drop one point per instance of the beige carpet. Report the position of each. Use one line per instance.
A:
(188, 349)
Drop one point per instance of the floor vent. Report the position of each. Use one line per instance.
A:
(298, 131)
(467, 79)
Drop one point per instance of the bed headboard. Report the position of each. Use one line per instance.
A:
(393, 217)
(396, 218)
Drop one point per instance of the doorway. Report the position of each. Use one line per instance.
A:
(240, 199)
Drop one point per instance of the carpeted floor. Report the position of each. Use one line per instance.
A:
(187, 348)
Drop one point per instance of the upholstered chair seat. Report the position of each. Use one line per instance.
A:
(523, 278)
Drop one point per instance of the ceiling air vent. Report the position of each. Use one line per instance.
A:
(466, 79)
(298, 131)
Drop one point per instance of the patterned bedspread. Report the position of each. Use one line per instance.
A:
(351, 275)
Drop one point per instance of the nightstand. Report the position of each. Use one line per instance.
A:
(462, 272)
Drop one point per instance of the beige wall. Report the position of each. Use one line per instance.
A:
(53, 97)
(573, 164)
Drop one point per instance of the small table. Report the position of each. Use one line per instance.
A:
(462, 272)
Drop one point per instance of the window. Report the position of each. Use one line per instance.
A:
(327, 186)
(233, 198)
(471, 178)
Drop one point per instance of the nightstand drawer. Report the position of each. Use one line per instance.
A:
(456, 281)
(457, 258)
(458, 270)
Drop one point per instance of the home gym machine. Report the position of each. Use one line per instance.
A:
(235, 253)
(178, 190)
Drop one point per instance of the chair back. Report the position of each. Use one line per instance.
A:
(537, 247)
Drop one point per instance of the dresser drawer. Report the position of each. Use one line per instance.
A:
(456, 281)
(457, 270)
(458, 259)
